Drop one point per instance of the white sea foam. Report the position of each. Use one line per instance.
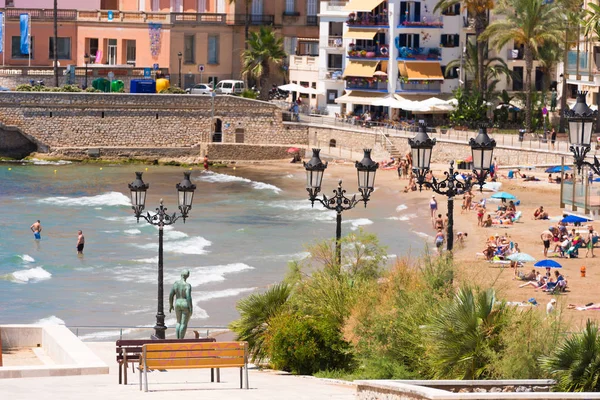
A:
(356, 223)
(193, 245)
(289, 176)
(288, 257)
(423, 235)
(46, 162)
(97, 208)
(31, 275)
(152, 260)
(174, 235)
(404, 217)
(401, 207)
(51, 320)
(213, 177)
(129, 219)
(132, 231)
(26, 258)
(219, 294)
(294, 205)
(105, 199)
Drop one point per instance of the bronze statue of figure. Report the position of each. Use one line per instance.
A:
(183, 305)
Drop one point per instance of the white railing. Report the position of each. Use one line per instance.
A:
(335, 5)
(330, 74)
(335, 41)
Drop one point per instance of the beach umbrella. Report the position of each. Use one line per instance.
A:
(558, 168)
(574, 219)
(293, 150)
(379, 73)
(503, 196)
(521, 257)
(547, 264)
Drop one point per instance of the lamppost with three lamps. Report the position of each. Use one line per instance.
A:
(179, 56)
(482, 148)
(185, 191)
(339, 203)
(581, 120)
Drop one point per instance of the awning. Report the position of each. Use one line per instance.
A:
(356, 97)
(402, 69)
(364, 69)
(424, 70)
(365, 34)
(307, 39)
(362, 5)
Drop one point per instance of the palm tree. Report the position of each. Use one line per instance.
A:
(256, 312)
(479, 9)
(464, 334)
(264, 49)
(548, 56)
(493, 68)
(576, 362)
(246, 20)
(530, 23)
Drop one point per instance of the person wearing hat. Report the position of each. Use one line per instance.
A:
(563, 246)
(433, 208)
(551, 307)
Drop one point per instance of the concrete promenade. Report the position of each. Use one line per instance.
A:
(182, 384)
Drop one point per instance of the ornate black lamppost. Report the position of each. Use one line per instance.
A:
(185, 191)
(366, 169)
(581, 125)
(482, 148)
(179, 55)
(86, 60)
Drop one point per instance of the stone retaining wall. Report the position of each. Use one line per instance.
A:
(246, 152)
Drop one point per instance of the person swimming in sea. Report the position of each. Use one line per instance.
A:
(36, 228)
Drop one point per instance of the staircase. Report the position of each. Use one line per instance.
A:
(387, 144)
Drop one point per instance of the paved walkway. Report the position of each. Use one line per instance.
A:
(184, 384)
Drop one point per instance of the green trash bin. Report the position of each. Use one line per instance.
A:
(101, 84)
(117, 86)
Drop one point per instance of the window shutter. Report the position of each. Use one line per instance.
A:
(443, 70)
(402, 11)
(417, 10)
(456, 40)
(416, 44)
(403, 40)
(457, 9)
(444, 40)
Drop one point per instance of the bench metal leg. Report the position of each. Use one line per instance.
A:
(145, 378)
(120, 373)
(212, 374)
(218, 375)
(247, 384)
(125, 373)
(140, 379)
(241, 377)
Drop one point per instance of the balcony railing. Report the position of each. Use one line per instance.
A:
(426, 86)
(240, 19)
(572, 62)
(368, 19)
(122, 16)
(419, 54)
(335, 41)
(312, 20)
(40, 14)
(330, 74)
(514, 54)
(368, 52)
(428, 21)
(303, 63)
(192, 18)
(335, 5)
(364, 84)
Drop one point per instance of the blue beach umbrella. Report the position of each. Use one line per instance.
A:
(521, 257)
(503, 196)
(547, 264)
(574, 219)
(558, 168)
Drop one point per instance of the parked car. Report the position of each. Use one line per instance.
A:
(230, 87)
(200, 88)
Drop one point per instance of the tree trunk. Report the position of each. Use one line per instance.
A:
(528, 88)
(480, 25)
(55, 46)
(563, 97)
(246, 25)
(264, 79)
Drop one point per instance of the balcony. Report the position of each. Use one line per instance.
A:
(312, 20)
(428, 21)
(335, 42)
(37, 14)
(334, 6)
(368, 52)
(303, 63)
(367, 84)
(368, 20)
(419, 86)
(330, 74)
(240, 19)
(572, 62)
(194, 19)
(514, 54)
(123, 16)
(419, 54)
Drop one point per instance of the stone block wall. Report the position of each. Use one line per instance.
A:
(248, 152)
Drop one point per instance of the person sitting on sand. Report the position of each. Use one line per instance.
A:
(460, 236)
(550, 179)
(563, 246)
(488, 222)
(502, 221)
(540, 281)
(551, 284)
(532, 276)
(539, 213)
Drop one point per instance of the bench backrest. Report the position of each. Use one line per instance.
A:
(194, 355)
(133, 348)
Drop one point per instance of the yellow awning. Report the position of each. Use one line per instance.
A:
(365, 34)
(356, 97)
(402, 69)
(364, 69)
(362, 5)
(424, 70)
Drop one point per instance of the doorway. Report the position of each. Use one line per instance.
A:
(112, 51)
(217, 136)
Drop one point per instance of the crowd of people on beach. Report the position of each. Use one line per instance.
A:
(567, 243)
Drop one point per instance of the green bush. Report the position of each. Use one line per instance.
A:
(70, 88)
(304, 345)
(91, 89)
(172, 90)
(249, 94)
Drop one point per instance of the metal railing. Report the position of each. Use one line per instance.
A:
(255, 19)
(426, 21)
(312, 20)
(335, 41)
(331, 74)
(366, 85)
(430, 87)
(111, 332)
(335, 5)
(419, 53)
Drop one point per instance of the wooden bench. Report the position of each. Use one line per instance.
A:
(129, 352)
(161, 356)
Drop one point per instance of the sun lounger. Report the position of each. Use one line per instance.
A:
(479, 255)
(500, 263)
(517, 216)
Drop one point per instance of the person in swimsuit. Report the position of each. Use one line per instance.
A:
(546, 237)
(36, 228)
(80, 242)
(432, 207)
(183, 305)
(439, 222)
(439, 240)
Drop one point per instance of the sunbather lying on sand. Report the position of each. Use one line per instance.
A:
(589, 306)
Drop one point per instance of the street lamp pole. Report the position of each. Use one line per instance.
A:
(482, 148)
(581, 125)
(339, 203)
(179, 56)
(86, 60)
(161, 219)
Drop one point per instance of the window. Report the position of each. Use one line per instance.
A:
(93, 49)
(410, 40)
(201, 6)
(212, 81)
(449, 40)
(10, 3)
(517, 78)
(130, 46)
(290, 6)
(189, 49)
(311, 7)
(177, 6)
(452, 74)
(213, 49)
(63, 48)
(239, 135)
(452, 10)
(257, 7)
(155, 5)
(221, 6)
(16, 48)
(307, 49)
(334, 61)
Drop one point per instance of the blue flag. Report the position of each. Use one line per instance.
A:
(24, 24)
(1, 32)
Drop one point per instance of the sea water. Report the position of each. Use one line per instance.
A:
(243, 229)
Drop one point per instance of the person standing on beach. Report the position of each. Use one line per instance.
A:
(433, 209)
(36, 228)
(206, 162)
(553, 137)
(590, 242)
(439, 222)
(80, 242)
(546, 237)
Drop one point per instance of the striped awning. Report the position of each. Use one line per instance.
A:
(363, 69)
(362, 5)
(365, 34)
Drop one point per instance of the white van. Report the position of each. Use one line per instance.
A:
(229, 87)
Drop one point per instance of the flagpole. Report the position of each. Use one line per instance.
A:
(29, 41)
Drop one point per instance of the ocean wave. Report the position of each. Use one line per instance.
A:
(152, 260)
(132, 231)
(37, 161)
(294, 205)
(404, 217)
(401, 207)
(51, 320)
(128, 219)
(423, 235)
(31, 275)
(27, 258)
(105, 199)
(219, 294)
(193, 245)
(356, 223)
(213, 177)
(288, 257)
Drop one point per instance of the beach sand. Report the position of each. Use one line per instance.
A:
(581, 290)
